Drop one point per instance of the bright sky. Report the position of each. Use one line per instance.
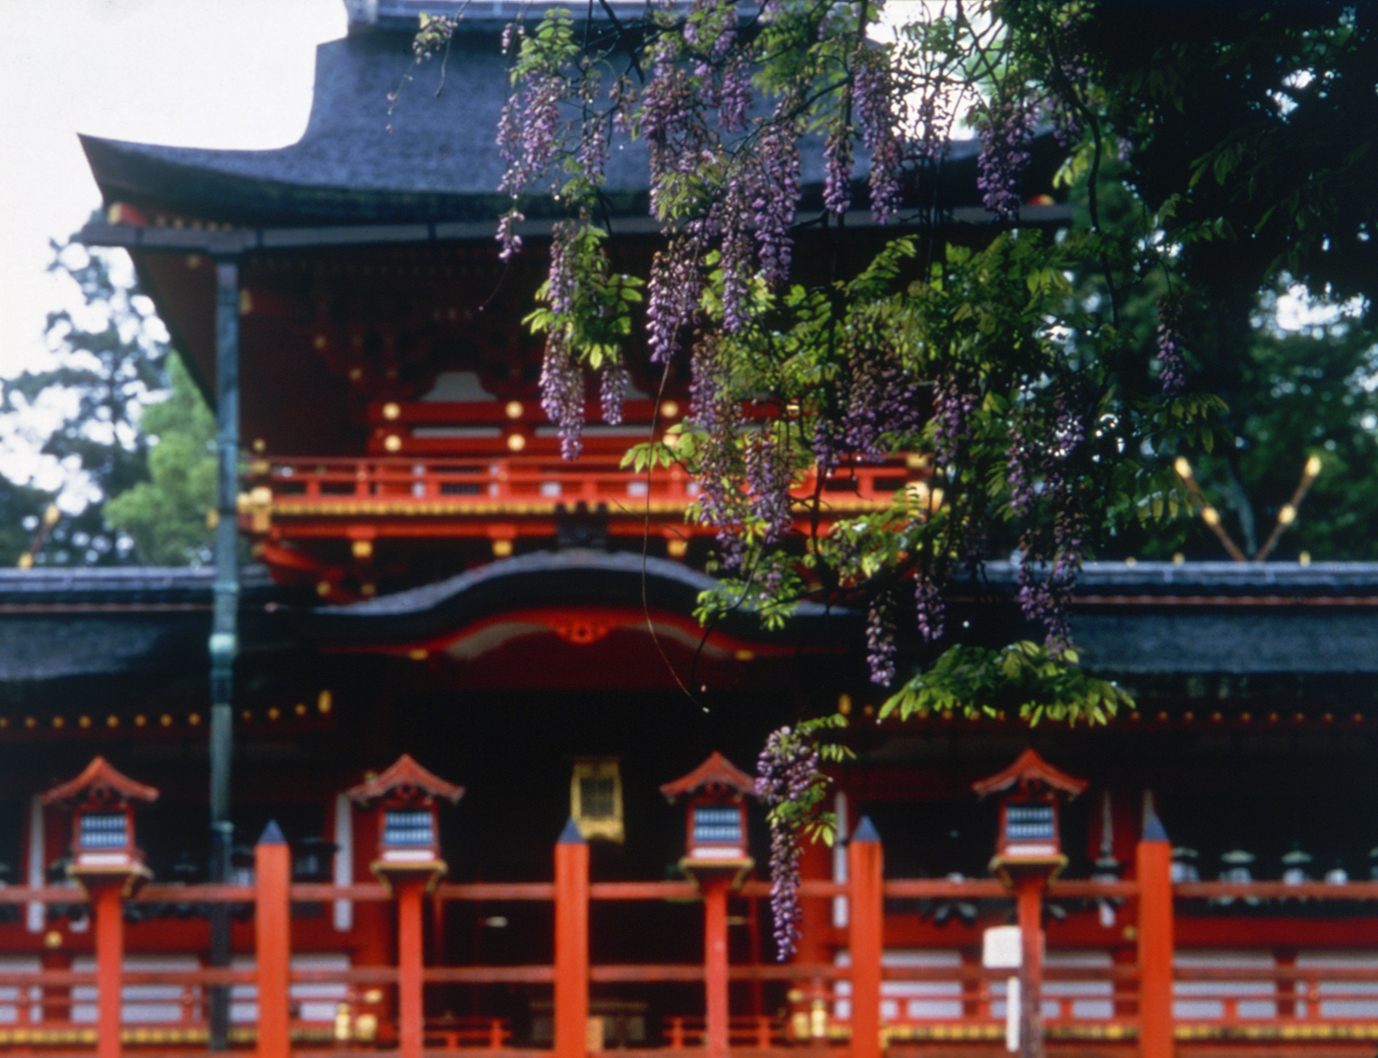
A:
(209, 73)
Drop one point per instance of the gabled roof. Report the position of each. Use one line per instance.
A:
(1030, 771)
(404, 772)
(434, 160)
(101, 779)
(717, 773)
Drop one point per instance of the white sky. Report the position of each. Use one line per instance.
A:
(207, 73)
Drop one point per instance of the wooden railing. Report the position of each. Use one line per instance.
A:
(1231, 990)
(462, 496)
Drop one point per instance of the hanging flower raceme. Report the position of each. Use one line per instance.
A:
(873, 101)
(562, 393)
(1172, 365)
(776, 192)
(1006, 130)
(768, 481)
(787, 774)
(880, 639)
(672, 301)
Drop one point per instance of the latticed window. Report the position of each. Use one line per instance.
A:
(596, 799)
(104, 830)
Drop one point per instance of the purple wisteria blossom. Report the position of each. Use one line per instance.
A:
(1006, 129)
(786, 770)
(880, 639)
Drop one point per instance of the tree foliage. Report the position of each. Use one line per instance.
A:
(87, 422)
(1047, 382)
(166, 515)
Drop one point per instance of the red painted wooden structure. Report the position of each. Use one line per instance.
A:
(864, 1007)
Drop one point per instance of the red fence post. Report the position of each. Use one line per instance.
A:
(106, 893)
(714, 886)
(411, 1016)
(272, 941)
(865, 868)
(1153, 862)
(571, 943)
(1028, 895)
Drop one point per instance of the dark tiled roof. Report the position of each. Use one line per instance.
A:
(1150, 619)
(440, 163)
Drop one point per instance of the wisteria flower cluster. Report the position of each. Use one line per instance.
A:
(789, 781)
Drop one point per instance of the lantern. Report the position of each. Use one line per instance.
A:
(403, 803)
(101, 800)
(715, 813)
(1029, 835)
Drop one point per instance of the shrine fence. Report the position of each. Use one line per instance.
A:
(1225, 997)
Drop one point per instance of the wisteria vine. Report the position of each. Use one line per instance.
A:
(987, 375)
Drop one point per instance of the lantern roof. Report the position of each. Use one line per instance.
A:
(100, 778)
(404, 772)
(716, 774)
(1030, 771)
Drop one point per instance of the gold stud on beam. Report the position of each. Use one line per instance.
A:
(392, 443)
(391, 410)
(324, 702)
(502, 548)
(670, 409)
(515, 442)
(362, 548)
(676, 548)
(513, 409)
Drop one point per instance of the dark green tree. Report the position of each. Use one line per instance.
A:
(83, 417)
(165, 516)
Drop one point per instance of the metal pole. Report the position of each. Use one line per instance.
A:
(224, 641)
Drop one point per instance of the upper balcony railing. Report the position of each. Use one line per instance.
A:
(306, 496)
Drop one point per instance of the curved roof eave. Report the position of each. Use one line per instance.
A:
(571, 576)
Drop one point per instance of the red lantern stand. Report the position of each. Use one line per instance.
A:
(403, 799)
(1028, 855)
(109, 867)
(716, 860)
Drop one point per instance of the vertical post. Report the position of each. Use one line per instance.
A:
(1153, 863)
(714, 886)
(865, 863)
(1028, 893)
(107, 901)
(273, 945)
(571, 943)
(410, 963)
(224, 640)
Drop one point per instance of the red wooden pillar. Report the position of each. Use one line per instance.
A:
(1028, 895)
(1153, 862)
(715, 887)
(106, 893)
(409, 889)
(571, 943)
(272, 940)
(865, 869)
